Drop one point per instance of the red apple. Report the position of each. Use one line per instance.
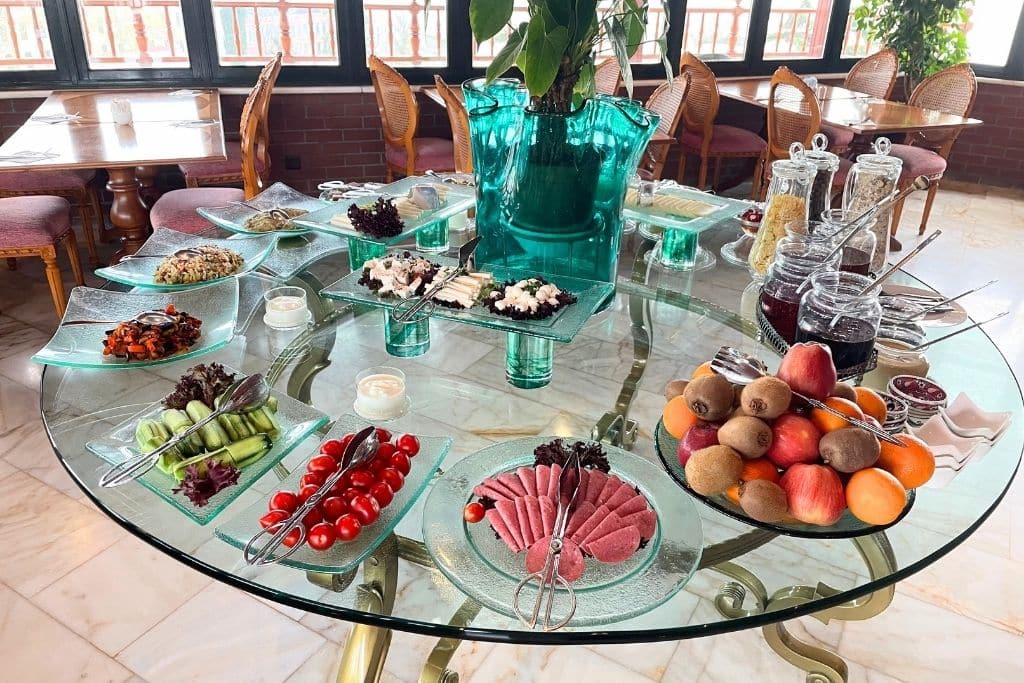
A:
(700, 435)
(794, 440)
(808, 369)
(814, 493)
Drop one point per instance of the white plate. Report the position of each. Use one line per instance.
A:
(965, 418)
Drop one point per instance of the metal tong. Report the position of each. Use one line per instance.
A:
(362, 447)
(275, 212)
(548, 578)
(404, 311)
(739, 368)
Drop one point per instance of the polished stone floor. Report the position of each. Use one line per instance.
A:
(80, 599)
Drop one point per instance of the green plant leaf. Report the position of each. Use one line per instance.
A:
(542, 54)
(585, 87)
(562, 12)
(508, 54)
(616, 34)
(487, 17)
(635, 21)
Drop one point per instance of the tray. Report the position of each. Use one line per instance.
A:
(725, 208)
(278, 195)
(345, 556)
(295, 252)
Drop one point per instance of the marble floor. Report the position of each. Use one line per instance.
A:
(106, 607)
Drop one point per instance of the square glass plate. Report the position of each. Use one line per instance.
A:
(342, 557)
(81, 346)
(725, 208)
(138, 272)
(562, 326)
(457, 200)
(277, 196)
(295, 252)
(297, 421)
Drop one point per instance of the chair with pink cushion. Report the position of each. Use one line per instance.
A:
(34, 226)
(701, 135)
(874, 75)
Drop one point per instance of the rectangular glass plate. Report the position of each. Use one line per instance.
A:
(297, 420)
(81, 346)
(342, 557)
(277, 196)
(458, 199)
(725, 208)
(295, 252)
(561, 327)
(138, 272)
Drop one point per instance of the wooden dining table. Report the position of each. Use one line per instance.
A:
(75, 130)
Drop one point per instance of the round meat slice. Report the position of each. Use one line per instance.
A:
(570, 563)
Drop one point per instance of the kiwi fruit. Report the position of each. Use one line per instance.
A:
(763, 500)
(749, 436)
(766, 397)
(737, 393)
(713, 469)
(709, 397)
(675, 388)
(844, 390)
(848, 449)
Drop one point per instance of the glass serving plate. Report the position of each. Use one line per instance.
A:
(483, 567)
(724, 209)
(341, 557)
(138, 272)
(297, 421)
(561, 327)
(81, 346)
(278, 195)
(295, 252)
(848, 526)
(458, 199)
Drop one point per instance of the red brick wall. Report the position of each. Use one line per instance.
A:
(992, 154)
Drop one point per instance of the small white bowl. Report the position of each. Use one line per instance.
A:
(965, 418)
(937, 434)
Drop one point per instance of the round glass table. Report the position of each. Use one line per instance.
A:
(607, 384)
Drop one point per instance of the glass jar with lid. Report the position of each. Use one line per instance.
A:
(825, 165)
(896, 357)
(795, 260)
(858, 251)
(788, 192)
(871, 181)
(836, 313)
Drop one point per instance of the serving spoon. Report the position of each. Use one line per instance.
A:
(181, 253)
(157, 318)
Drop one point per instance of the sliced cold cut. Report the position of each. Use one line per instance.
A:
(485, 490)
(581, 494)
(525, 530)
(624, 493)
(608, 524)
(497, 485)
(511, 481)
(645, 522)
(556, 473)
(528, 478)
(600, 513)
(543, 475)
(494, 517)
(507, 510)
(617, 546)
(635, 504)
(580, 514)
(548, 511)
(536, 520)
(610, 488)
(570, 562)
(597, 481)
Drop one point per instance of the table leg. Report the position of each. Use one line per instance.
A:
(128, 213)
(146, 176)
(436, 670)
(367, 646)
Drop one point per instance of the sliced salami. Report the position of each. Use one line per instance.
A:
(498, 485)
(624, 493)
(536, 520)
(556, 473)
(597, 481)
(645, 521)
(547, 514)
(610, 488)
(635, 504)
(570, 562)
(523, 517)
(617, 546)
(581, 514)
(511, 480)
(528, 478)
(588, 526)
(485, 490)
(608, 524)
(581, 494)
(507, 510)
(543, 475)
(494, 517)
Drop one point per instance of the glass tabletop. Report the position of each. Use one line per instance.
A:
(607, 383)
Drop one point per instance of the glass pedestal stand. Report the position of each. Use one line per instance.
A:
(528, 360)
(433, 239)
(360, 251)
(409, 339)
(738, 253)
(676, 249)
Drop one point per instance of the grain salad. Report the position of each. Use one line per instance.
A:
(210, 263)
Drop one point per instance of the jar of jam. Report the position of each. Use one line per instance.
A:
(825, 165)
(858, 251)
(835, 313)
(787, 197)
(871, 181)
(779, 300)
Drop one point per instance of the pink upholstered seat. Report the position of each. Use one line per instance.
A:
(230, 166)
(436, 154)
(838, 138)
(44, 181)
(177, 209)
(919, 161)
(33, 221)
(726, 140)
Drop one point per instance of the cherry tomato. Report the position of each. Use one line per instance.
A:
(333, 508)
(340, 486)
(400, 461)
(273, 517)
(334, 448)
(313, 478)
(348, 494)
(393, 478)
(312, 518)
(347, 439)
(321, 536)
(385, 449)
(361, 479)
(324, 465)
(383, 435)
(365, 509)
(284, 500)
(292, 538)
(473, 512)
(382, 493)
(348, 527)
(306, 491)
(409, 443)
(376, 465)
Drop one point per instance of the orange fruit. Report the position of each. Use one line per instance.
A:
(874, 496)
(677, 417)
(871, 403)
(702, 370)
(827, 422)
(913, 463)
(758, 468)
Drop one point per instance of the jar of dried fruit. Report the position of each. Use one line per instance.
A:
(786, 201)
(825, 165)
(871, 181)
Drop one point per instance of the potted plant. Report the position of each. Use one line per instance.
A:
(553, 159)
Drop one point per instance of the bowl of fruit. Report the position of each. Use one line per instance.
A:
(760, 454)
(751, 219)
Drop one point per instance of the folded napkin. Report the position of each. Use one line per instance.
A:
(28, 157)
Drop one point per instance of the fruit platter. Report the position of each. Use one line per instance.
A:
(761, 454)
(488, 522)
(362, 508)
(215, 465)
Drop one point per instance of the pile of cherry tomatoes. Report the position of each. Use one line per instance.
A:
(355, 501)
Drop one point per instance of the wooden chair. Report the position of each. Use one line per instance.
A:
(667, 102)
(873, 75)
(952, 91)
(705, 138)
(34, 226)
(459, 120)
(608, 76)
(399, 117)
(229, 171)
(793, 116)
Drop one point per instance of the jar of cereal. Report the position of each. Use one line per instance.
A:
(871, 181)
(786, 201)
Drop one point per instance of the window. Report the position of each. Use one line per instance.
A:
(24, 36)
(138, 34)
(402, 34)
(855, 43)
(990, 30)
(250, 33)
(716, 30)
(797, 29)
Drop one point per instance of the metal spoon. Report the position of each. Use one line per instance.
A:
(181, 253)
(403, 312)
(960, 331)
(243, 396)
(275, 212)
(887, 274)
(157, 318)
(941, 305)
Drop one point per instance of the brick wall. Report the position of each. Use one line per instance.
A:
(993, 154)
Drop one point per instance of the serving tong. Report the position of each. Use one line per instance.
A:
(548, 578)
(155, 318)
(187, 252)
(361, 448)
(404, 311)
(275, 212)
(739, 368)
